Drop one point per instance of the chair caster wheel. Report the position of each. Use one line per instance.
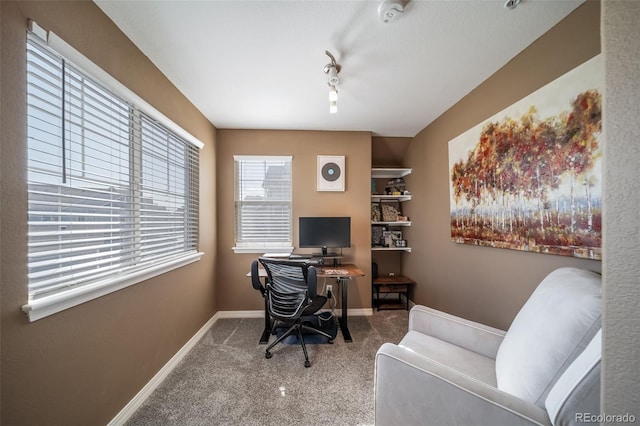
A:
(267, 355)
(331, 341)
(307, 364)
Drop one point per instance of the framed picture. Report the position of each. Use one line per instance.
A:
(376, 236)
(390, 238)
(376, 212)
(529, 178)
(390, 210)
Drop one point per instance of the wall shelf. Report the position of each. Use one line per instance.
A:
(376, 197)
(389, 173)
(407, 249)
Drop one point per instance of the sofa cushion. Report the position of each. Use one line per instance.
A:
(578, 389)
(550, 331)
(470, 363)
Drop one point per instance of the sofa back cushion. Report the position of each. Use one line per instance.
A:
(550, 331)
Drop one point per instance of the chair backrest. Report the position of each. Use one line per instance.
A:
(291, 286)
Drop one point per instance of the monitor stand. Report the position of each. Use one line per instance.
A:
(325, 255)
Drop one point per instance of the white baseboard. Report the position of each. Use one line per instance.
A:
(359, 312)
(240, 314)
(148, 389)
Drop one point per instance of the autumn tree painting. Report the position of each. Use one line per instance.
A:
(533, 183)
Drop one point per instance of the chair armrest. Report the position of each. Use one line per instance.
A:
(411, 389)
(312, 282)
(255, 278)
(467, 334)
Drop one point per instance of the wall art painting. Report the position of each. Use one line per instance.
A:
(530, 177)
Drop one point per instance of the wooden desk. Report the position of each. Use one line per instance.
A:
(342, 274)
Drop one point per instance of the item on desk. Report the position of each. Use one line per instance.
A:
(335, 271)
(277, 255)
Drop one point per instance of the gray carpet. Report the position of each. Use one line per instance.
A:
(226, 380)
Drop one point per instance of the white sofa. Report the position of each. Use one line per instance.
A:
(544, 370)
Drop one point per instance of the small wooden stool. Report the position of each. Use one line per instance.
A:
(394, 284)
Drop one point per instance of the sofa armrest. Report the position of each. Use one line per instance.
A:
(467, 334)
(411, 389)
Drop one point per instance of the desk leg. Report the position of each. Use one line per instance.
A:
(343, 319)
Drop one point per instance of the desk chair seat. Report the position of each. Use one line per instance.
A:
(291, 293)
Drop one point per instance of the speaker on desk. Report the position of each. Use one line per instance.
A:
(331, 173)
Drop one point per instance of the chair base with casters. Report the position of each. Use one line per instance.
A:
(299, 329)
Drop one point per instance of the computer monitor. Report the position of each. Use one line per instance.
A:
(324, 232)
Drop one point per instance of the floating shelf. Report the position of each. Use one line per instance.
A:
(388, 173)
(404, 223)
(391, 197)
(407, 249)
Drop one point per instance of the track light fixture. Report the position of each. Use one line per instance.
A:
(332, 69)
(512, 4)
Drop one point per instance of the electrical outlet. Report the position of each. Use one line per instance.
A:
(329, 288)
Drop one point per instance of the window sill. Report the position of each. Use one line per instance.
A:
(50, 305)
(262, 250)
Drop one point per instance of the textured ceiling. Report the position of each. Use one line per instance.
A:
(259, 64)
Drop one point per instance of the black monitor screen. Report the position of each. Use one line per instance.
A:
(324, 232)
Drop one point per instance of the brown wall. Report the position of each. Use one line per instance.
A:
(233, 290)
(81, 366)
(485, 284)
(389, 151)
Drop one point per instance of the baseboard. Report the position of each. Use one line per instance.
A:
(146, 391)
(240, 314)
(359, 312)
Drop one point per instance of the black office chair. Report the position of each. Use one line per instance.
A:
(291, 295)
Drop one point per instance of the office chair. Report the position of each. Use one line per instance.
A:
(291, 295)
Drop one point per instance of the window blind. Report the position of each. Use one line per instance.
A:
(263, 202)
(111, 191)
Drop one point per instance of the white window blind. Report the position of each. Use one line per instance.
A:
(263, 203)
(112, 193)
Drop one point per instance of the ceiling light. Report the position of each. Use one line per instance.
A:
(512, 4)
(332, 79)
(333, 93)
(332, 69)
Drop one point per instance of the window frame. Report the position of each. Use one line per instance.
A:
(264, 246)
(37, 308)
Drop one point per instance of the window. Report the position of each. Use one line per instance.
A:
(263, 204)
(112, 192)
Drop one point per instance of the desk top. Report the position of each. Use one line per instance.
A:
(340, 271)
(346, 270)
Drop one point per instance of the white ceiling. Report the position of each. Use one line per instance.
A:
(259, 64)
